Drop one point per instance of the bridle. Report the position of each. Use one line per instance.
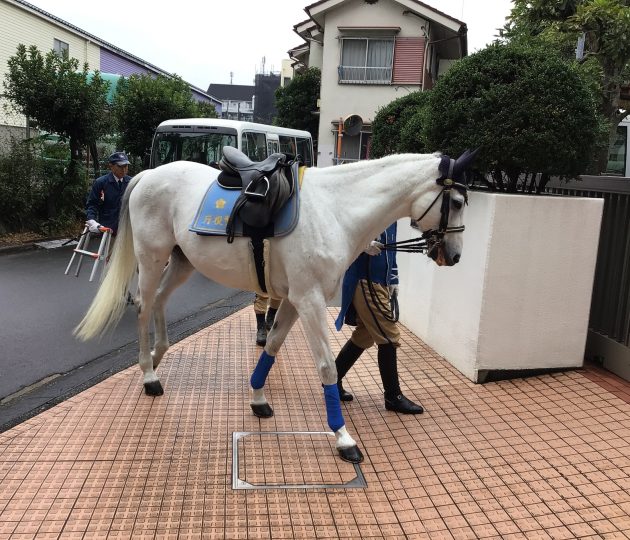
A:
(432, 239)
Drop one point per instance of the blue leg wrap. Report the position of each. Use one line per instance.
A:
(333, 407)
(262, 370)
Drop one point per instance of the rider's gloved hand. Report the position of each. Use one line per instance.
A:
(393, 290)
(374, 248)
(93, 225)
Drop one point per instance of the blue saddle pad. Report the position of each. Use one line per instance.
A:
(214, 211)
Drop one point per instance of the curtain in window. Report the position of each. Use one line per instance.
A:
(353, 53)
(380, 55)
(366, 60)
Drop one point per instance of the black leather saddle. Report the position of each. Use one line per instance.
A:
(265, 185)
(238, 170)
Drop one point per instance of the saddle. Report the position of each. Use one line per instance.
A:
(265, 187)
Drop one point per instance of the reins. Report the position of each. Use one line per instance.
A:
(432, 238)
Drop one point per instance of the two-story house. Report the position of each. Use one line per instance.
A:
(371, 52)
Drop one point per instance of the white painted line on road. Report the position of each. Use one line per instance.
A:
(52, 244)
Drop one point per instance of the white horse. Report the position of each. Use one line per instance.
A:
(341, 210)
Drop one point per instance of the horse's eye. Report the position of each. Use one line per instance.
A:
(458, 204)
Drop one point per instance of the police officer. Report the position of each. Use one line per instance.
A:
(103, 202)
(365, 305)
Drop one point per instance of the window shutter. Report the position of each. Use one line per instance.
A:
(408, 60)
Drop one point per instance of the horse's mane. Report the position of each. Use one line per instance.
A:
(372, 164)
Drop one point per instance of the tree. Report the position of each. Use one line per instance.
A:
(142, 102)
(58, 97)
(397, 127)
(527, 109)
(297, 102)
(605, 25)
(205, 110)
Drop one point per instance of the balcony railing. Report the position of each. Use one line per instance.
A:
(364, 75)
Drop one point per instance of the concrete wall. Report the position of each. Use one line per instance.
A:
(520, 296)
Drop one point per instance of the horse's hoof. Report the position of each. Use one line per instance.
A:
(153, 388)
(351, 454)
(263, 410)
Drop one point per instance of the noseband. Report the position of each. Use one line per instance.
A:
(431, 239)
(435, 237)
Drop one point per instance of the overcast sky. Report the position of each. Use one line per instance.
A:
(203, 41)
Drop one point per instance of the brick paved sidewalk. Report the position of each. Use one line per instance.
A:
(543, 457)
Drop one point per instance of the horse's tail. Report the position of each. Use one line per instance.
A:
(108, 305)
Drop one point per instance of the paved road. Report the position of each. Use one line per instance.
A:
(41, 363)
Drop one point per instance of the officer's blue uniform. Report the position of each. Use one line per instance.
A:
(383, 270)
(103, 203)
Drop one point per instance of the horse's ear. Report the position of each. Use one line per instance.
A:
(464, 161)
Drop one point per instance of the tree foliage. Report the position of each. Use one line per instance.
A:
(36, 191)
(297, 101)
(58, 96)
(397, 127)
(526, 108)
(605, 25)
(142, 102)
(205, 110)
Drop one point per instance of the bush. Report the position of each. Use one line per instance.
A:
(528, 110)
(397, 127)
(37, 192)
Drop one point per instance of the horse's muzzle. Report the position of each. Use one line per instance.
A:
(442, 258)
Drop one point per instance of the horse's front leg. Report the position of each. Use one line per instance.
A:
(284, 320)
(312, 311)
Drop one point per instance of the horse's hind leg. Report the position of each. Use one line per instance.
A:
(176, 273)
(285, 319)
(150, 269)
(312, 311)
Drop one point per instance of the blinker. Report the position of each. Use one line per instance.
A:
(448, 182)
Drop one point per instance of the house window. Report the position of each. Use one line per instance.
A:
(61, 48)
(617, 155)
(366, 60)
(353, 147)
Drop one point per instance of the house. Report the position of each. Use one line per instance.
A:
(371, 52)
(23, 23)
(237, 100)
(254, 103)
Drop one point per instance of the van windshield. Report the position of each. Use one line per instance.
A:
(203, 148)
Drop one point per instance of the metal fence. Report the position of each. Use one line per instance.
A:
(610, 304)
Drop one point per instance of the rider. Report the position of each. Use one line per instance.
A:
(369, 311)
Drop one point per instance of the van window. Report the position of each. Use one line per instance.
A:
(304, 148)
(287, 145)
(254, 145)
(198, 147)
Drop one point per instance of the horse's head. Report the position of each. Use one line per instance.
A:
(442, 222)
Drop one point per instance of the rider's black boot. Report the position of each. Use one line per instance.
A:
(394, 399)
(346, 358)
(271, 315)
(261, 330)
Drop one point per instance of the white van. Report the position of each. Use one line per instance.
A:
(202, 140)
